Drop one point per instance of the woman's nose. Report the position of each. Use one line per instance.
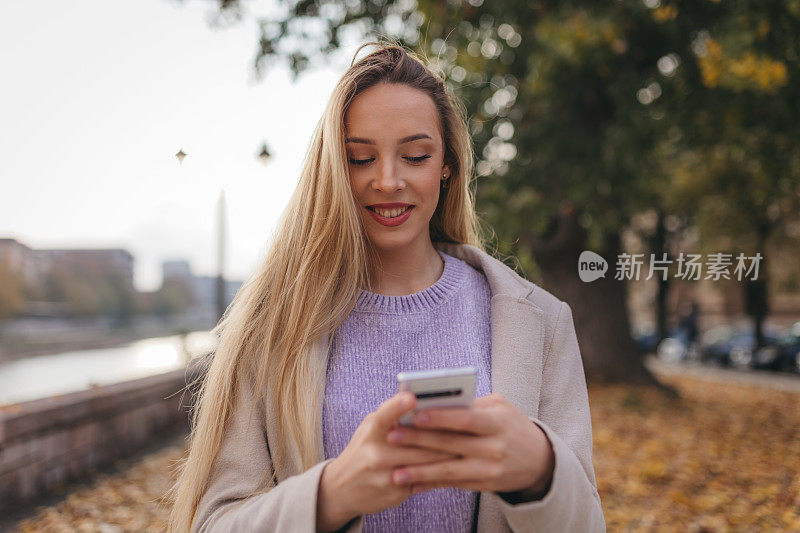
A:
(388, 178)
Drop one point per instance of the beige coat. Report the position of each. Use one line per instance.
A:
(536, 364)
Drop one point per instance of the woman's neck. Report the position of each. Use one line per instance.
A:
(406, 270)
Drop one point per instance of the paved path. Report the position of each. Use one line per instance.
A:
(760, 378)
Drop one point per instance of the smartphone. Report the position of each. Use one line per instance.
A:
(446, 387)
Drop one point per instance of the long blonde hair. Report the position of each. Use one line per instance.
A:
(311, 277)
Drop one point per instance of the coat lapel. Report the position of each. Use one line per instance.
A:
(517, 350)
(517, 329)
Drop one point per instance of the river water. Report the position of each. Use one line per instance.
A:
(42, 376)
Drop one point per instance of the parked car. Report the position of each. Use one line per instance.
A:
(715, 344)
(736, 347)
(784, 356)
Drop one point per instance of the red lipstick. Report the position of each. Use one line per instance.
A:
(391, 221)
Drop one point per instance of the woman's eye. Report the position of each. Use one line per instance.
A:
(371, 159)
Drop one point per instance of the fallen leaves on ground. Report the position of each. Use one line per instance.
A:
(128, 501)
(725, 457)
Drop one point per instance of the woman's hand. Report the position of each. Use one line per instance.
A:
(500, 450)
(359, 480)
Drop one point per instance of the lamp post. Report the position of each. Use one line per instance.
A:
(220, 299)
(221, 216)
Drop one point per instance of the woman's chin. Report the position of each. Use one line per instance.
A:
(387, 243)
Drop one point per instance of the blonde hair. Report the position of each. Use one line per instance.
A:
(318, 262)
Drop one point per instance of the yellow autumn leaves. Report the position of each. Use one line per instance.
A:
(665, 13)
(727, 69)
(719, 68)
(725, 457)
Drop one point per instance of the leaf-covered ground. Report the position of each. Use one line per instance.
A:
(723, 458)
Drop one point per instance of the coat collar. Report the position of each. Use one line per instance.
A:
(502, 279)
(517, 331)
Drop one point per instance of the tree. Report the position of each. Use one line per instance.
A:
(89, 291)
(174, 297)
(562, 141)
(734, 162)
(571, 105)
(12, 301)
(80, 294)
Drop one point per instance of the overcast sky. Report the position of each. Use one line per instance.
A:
(98, 96)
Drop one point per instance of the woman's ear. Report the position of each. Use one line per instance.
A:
(446, 171)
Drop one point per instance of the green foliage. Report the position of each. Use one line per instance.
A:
(617, 108)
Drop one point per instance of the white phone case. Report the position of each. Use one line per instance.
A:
(447, 387)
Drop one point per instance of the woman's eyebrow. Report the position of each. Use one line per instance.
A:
(408, 139)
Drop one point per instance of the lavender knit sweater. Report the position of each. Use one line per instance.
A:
(446, 325)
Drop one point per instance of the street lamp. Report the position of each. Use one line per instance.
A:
(264, 155)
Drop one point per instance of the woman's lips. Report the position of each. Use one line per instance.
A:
(395, 221)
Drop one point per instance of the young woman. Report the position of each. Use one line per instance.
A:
(377, 268)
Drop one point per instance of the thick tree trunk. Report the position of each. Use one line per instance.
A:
(599, 310)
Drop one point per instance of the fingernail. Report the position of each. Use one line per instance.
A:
(395, 435)
(401, 477)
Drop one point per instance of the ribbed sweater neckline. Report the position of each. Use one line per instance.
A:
(452, 276)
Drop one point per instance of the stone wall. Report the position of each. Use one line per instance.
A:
(48, 442)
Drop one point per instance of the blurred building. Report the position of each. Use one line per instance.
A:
(92, 261)
(34, 264)
(176, 269)
(34, 267)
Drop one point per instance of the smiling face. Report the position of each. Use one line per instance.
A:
(395, 153)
